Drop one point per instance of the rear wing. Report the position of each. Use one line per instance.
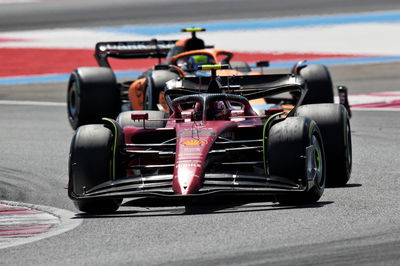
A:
(132, 50)
(249, 86)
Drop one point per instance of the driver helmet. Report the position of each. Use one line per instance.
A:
(217, 111)
(197, 112)
(195, 61)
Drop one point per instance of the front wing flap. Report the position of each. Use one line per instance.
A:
(161, 186)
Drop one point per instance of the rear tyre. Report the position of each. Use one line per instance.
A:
(319, 84)
(89, 166)
(124, 119)
(295, 151)
(92, 94)
(150, 102)
(334, 123)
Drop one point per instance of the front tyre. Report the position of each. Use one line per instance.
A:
(295, 151)
(89, 165)
(334, 123)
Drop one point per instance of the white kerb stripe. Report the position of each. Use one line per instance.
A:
(10, 102)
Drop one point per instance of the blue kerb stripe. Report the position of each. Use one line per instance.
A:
(57, 78)
(34, 79)
(226, 25)
(134, 73)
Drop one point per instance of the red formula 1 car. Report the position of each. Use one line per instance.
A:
(213, 143)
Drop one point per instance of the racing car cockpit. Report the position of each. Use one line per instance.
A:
(210, 107)
(187, 44)
(192, 62)
(216, 110)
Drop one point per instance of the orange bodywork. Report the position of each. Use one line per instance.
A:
(136, 93)
(285, 107)
(163, 102)
(214, 53)
(137, 89)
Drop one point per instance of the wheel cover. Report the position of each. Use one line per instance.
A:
(314, 162)
(73, 101)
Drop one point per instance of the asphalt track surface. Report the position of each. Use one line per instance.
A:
(356, 224)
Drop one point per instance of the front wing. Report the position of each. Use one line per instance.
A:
(161, 186)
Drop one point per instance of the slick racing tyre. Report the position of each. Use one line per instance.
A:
(124, 119)
(156, 84)
(295, 151)
(92, 94)
(89, 165)
(319, 84)
(334, 124)
(240, 66)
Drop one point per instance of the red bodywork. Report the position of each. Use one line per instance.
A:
(194, 140)
(212, 143)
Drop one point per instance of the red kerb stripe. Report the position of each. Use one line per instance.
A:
(15, 210)
(24, 230)
(35, 61)
(392, 104)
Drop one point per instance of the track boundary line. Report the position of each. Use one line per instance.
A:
(32, 103)
(58, 104)
(65, 218)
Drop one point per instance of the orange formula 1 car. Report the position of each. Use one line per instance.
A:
(94, 93)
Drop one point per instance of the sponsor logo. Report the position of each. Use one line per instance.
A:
(189, 165)
(140, 45)
(193, 142)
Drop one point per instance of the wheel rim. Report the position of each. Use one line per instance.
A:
(315, 167)
(73, 101)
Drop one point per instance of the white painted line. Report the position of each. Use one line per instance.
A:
(34, 103)
(65, 222)
(383, 97)
(376, 109)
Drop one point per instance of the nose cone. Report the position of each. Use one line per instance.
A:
(187, 177)
(193, 143)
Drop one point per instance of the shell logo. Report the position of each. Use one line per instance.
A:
(193, 142)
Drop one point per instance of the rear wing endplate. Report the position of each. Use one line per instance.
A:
(132, 50)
